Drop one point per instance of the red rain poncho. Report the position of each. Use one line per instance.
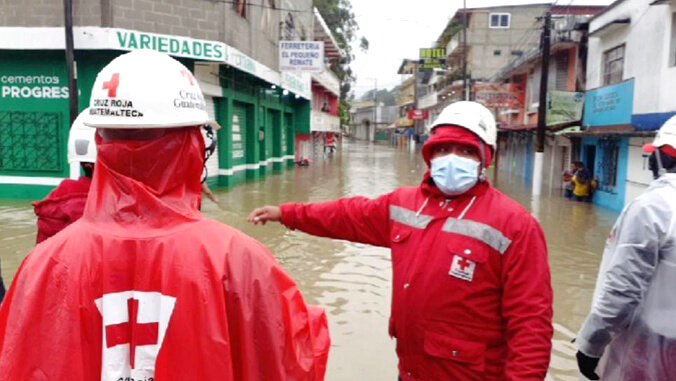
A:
(62, 206)
(143, 287)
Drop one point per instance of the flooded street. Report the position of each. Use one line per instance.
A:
(352, 281)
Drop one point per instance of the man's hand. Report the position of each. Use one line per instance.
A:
(587, 365)
(265, 214)
(207, 191)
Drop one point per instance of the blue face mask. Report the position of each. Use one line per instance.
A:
(454, 175)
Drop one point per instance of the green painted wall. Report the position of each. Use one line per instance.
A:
(34, 120)
(272, 120)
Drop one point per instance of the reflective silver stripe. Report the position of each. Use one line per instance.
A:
(409, 217)
(484, 233)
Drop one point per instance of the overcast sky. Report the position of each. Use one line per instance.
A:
(396, 29)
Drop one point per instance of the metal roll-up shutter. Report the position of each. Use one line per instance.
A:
(239, 129)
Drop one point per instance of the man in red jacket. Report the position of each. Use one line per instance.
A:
(472, 297)
(143, 287)
(65, 204)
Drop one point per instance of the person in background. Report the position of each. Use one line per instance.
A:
(472, 296)
(65, 203)
(329, 142)
(143, 287)
(630, 333)
(582, 186)
(567, 177)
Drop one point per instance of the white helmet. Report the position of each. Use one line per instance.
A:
(146, 89)
(81, 144)
(665, 136)
(472, 116)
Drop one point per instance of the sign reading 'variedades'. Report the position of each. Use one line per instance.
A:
(186, 47)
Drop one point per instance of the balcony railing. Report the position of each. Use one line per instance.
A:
(324, 122)
(328, 80)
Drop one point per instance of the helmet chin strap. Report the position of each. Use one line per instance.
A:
(208, 150)
(482, 148)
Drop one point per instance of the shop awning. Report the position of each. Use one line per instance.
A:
(95, 38)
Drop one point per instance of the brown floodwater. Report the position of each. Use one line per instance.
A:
(352, 281)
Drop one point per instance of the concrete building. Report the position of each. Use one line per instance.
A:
(324, 120)
(495, 36)
(631, 71)
(566, 81)
(231, 47)
(367, 120)
(411, 90)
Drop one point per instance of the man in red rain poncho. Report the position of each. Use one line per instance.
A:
(65, 204)
(472, 297)
(143, 287)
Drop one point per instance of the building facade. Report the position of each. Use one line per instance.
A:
(231, 47)
(631, 69)
(370, 122)
(566, 81)
(324, 123)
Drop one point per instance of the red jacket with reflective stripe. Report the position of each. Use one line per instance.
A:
(62, 206)
(472, 297)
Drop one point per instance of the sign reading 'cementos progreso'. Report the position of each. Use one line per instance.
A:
(609, 106)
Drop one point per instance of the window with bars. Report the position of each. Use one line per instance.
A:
(610, 153)
(239, 6)
(613, 65)
(31, 141)
(500, 20)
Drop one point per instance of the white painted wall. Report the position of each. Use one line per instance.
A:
(647, 50)
(208, 80)
(638, 174)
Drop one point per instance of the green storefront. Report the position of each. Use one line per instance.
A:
(261, 121)
(260, 110)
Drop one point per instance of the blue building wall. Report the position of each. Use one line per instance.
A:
(611, 197)
(650, 122)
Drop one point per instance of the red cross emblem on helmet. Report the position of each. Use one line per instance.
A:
(112, 85)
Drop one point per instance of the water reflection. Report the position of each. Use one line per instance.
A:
(352, 281)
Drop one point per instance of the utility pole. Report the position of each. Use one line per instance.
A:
(375, 106)
(542, 109)
(415, 97)
(70, 60)
(465, 87)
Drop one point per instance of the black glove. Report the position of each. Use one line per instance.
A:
(587, 365)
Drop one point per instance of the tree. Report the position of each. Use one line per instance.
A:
(452, 28)
(387, 97)
(343, 25)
